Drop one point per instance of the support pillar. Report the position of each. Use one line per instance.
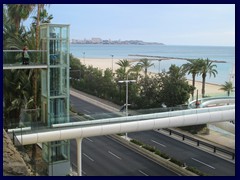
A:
(79, 156)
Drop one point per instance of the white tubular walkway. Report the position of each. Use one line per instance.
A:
(226, 126)
(217, 102)
(105, 129)
(132, 126)
(143, 117)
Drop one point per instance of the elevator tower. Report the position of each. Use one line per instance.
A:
(54, 38)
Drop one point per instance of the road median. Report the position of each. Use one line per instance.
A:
(152, 156)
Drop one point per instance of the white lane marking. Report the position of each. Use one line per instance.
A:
(114, 155)
(203, 163)
(83, 172)
(88, 157)
(143, 173)
(89, 139)
(87, 111)
(158, 143)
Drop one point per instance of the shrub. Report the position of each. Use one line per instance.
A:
(150, 148)
(194, 129)
(175, 161)
(196, 171)
(136, 142)
(163, 155)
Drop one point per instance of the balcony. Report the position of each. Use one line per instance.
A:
(12, 59)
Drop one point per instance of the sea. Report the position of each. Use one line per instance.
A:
(226, 71)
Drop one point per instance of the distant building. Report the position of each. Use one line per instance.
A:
(109, 41)
(96, 40)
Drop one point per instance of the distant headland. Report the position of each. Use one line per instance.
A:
(100, 41)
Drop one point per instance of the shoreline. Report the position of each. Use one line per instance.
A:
(104, 63)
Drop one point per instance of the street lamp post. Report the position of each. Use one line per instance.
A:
(112, 62)
(84, 57)
(159, 66)
(126, 81)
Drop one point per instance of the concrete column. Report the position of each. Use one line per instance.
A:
(79, 156)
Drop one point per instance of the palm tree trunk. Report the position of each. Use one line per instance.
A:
(37, 47)
(145, 72)
(193, 84)
(35, 75)
(203, 85)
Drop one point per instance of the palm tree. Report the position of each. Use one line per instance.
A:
(175, 89)
(17, 94)
(39, 7)
(121, 74)
(29, 9)
(228, 87)
(192, 67)
(206, 67)
(145, 63)
(44, 18)
(124, 64)
(19, 12)
(136, 69)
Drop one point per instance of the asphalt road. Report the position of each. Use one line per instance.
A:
(210, 164)
(205, 162)
(102, 156)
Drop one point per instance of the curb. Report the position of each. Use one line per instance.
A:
(93, 101)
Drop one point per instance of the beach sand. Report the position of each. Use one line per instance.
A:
(104, 63)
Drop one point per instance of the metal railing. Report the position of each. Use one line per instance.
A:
(198, 142)
(14, 58)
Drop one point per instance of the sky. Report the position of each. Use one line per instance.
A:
(171, 24)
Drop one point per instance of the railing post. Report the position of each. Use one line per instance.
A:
(214, 149)
(233, 156)
(79, 156)
(170, 132)
(183, 137)
(13, 137)
(198, 142)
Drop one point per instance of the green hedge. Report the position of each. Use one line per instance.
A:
(196, 171)
(150, 148)
(175, 161)
(136, 142)
(163, 155)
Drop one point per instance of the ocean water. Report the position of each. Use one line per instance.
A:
(225, 53)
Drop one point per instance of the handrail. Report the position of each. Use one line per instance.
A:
(199, 142)
(55, 134)
(145, 116)
(9, 50)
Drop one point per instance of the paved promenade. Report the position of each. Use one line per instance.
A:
(220, 138)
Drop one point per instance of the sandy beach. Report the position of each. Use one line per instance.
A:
(104, 63)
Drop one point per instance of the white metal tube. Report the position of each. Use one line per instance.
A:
(132, 126)
(145, 116)
(79, 156)
(19, 129)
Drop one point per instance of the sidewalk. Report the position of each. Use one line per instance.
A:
(221, 139)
